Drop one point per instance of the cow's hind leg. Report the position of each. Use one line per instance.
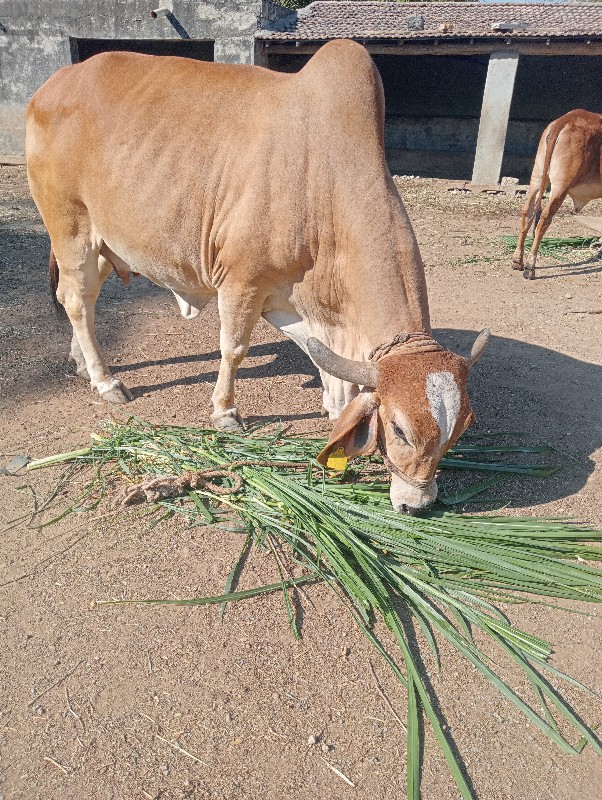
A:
(557, 197)
(528, 212)
(239, 309)
(75, 354)
(80, 279)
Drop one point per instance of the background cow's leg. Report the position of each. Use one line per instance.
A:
(75, 354)
(239, 309)
(557, 197)
(526, 219)
(78, 288)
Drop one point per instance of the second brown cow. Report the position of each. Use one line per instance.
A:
(568, 159)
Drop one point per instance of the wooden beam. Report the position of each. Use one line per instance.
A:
(445, 47)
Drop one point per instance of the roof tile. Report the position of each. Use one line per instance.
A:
(350, 19)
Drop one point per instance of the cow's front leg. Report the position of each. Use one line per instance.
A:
(239, 310)
(337, 395)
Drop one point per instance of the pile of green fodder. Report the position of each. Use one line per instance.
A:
(560, 248)
(447, 571)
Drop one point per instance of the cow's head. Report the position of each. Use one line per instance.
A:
(414, 405)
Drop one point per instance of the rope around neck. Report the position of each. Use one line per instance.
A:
(408, 343)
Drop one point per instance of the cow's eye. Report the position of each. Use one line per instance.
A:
(398, 432)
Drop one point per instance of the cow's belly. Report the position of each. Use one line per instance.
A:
(190, 296)
(582, 194)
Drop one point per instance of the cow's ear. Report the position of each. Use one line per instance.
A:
(356, 429)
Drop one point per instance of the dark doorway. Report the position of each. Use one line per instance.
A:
(433, 106)
(201, 50)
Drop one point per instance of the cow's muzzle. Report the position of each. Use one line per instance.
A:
(409, 499)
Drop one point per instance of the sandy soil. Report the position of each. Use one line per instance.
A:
(93, 701)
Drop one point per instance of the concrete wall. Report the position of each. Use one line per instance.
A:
(35, 40)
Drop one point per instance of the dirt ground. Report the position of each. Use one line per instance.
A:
(153, 702)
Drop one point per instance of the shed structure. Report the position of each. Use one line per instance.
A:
(469, 87)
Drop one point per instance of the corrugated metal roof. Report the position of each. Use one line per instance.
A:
(345, 19)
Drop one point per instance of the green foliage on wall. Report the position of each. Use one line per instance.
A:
(294, 3)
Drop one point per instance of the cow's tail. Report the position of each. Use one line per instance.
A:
(551, 138)
(53, 277)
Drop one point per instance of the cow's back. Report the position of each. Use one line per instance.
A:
(129, 101)
(149, 145)
(133, 108)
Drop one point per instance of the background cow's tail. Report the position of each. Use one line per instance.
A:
(53, 276)
(551, 139)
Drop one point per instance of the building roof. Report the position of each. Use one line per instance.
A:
(350, 19)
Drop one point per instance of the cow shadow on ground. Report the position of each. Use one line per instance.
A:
(547, 398)
(586, 266)
(287, 359)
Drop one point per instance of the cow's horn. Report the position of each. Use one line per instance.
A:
(361, 372)
(479, 346)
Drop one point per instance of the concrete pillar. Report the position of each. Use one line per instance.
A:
(495, 113)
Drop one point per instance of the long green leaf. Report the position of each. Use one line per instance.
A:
(244, 594)
(235, 571)
(413, 744)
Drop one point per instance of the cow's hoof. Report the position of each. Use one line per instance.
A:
(517, 264)
(528, 273)
(115, 392)
(229, 422)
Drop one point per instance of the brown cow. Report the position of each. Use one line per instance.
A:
(568, 158)
(271, 191)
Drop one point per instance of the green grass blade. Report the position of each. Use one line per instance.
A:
(508, 469)
(244, 594)
(469, 492)
(413, 744)
(236, 570)
(290, 612)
